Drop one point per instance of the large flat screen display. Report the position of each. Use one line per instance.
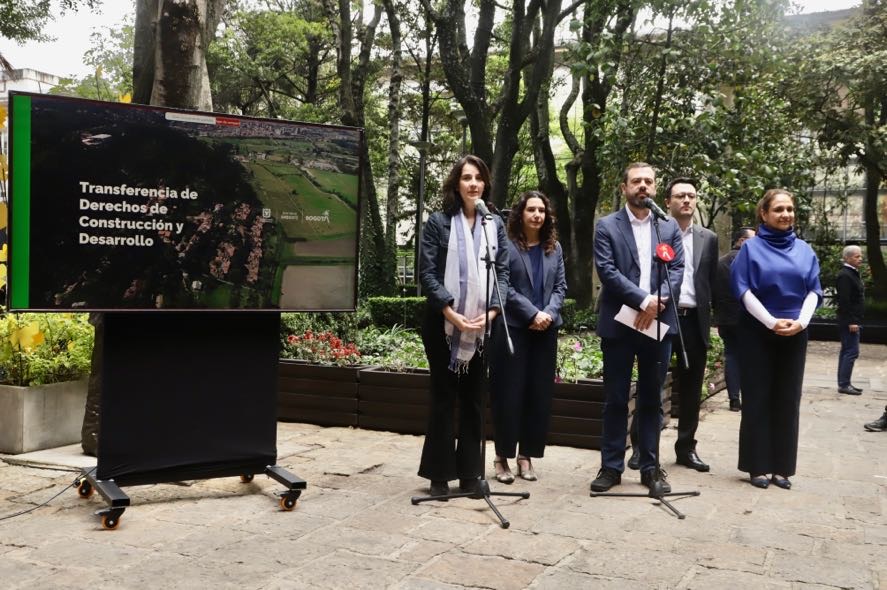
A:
(128, 207)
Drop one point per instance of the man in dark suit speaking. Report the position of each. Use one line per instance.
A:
(625, 245)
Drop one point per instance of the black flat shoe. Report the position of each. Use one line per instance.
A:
(439, 488)
(782, 482)
(760, 481)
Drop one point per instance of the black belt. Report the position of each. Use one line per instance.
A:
(685, 311)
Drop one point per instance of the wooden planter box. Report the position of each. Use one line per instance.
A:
(398, 402)
(41, 416)
(317, 394)
(577, 411)
(393, 401)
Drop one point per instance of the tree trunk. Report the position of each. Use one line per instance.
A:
(377, 263)
(171, 38)
(394, 115)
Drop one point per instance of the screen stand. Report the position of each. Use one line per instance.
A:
(187, 395)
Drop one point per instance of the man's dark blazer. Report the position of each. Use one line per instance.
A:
(705, 268)
(519, 308)
(851, 296)
(618, 268)
(433, 261)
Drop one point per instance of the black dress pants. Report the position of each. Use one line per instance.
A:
(772, 374)
(688, 382)
(521, 388)
(444, 457)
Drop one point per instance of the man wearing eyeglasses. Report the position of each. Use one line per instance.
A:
(694, 314)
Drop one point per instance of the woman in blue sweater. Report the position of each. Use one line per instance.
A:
(776, 277)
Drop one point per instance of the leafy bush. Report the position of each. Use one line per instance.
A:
(582, 319)
(395, 348)
(41, 348)
(714, 363)
(579, 357)
(396, 311)
(826, 313)
(324, 348)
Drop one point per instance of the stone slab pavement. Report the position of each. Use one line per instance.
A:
(354, 527)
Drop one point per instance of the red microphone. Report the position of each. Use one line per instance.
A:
(664, 252)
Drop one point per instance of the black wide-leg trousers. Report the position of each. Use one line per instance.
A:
(444, 456)
(771, 375)
(521, 389)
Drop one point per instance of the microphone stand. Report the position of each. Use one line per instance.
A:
(482, 488)
(656, 490)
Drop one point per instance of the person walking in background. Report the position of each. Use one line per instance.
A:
(624, 256)
(453, 275)
(522, 383)
(727, 310)
(851, 307)
(776, 277)
(694, 315)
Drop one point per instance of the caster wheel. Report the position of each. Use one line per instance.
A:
(287, 503)
(109, 522)
(247, 478)
(85, 489)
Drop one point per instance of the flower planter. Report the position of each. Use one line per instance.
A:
(317, 394)
(41, 416)
(394, 401)
(577, 411)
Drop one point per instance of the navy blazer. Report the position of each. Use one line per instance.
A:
(616, 262)
(519, 308)
(433, 261)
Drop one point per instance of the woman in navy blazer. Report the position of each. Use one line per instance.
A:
(522, 383)
(454, 323)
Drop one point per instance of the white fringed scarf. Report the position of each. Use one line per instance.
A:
(465, 278)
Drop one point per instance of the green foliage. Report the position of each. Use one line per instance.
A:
(26, 20)
(396, 311)
(395, 348)
(41, 348)
(577, 319)
(579, 357)
(824, 312)
(111, 57)
(714, 363)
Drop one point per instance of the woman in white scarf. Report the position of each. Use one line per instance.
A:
(453, 276)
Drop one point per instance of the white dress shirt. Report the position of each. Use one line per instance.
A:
(642, 230)
(688, 287)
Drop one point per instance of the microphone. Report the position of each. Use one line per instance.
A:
(483, 209)
(653, 207)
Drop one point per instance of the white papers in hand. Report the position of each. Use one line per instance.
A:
(627, 316)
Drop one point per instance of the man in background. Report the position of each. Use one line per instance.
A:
(726, 309)
(694, 315)
(851, 306)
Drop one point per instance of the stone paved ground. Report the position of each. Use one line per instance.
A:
(355, 527)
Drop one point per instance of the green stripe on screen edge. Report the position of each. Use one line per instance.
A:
(20, 222)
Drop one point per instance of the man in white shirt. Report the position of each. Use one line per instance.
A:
(624, 248)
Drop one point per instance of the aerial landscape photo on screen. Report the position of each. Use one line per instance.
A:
(129, 207)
